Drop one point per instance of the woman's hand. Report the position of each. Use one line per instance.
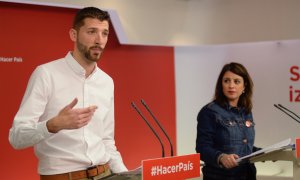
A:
(228, 160)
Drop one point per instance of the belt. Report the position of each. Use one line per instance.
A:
(88, 173)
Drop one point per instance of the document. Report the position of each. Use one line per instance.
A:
(285, 144)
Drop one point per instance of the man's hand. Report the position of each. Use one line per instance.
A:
(71, 118)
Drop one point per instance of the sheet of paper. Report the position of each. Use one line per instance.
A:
(280, 145)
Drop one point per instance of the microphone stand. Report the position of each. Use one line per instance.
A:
(287, 112)
(157, 122)
(147, 122)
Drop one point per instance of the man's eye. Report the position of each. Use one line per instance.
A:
(105, 33)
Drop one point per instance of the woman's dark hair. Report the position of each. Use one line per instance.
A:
(89, 12)
(245, 99)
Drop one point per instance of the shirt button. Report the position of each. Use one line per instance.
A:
(244, 141)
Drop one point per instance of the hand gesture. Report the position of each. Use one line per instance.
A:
(71, 118)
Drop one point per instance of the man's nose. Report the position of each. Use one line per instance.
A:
(98, 38)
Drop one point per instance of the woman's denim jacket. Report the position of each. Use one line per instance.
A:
(223, 130)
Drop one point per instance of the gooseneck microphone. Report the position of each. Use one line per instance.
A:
(158, 123)
(288, 112)
(147, 122)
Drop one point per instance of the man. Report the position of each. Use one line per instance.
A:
(67, 112)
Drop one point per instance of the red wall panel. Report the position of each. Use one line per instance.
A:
(38, 34)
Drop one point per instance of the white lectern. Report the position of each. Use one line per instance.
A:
(281, 155)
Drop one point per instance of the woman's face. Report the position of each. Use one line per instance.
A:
(233, 86)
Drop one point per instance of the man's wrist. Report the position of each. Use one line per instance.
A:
(52, 128)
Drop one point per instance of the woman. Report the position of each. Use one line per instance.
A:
(225, 130)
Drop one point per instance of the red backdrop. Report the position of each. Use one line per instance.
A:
(38, 34)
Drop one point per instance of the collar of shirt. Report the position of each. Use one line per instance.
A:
(76, 67)
(236, 109)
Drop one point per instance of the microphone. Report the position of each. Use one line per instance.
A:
(157, 122)
(287, 112)
(147, 122)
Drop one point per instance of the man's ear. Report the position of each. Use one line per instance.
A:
(73, 34)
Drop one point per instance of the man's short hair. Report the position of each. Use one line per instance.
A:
(89, 12)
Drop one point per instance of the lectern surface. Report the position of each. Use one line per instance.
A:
(124, 177)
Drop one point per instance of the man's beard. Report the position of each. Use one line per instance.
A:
(86, 52)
